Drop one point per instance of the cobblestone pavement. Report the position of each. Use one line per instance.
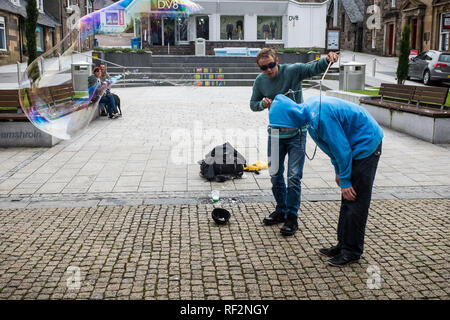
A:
(177, 252)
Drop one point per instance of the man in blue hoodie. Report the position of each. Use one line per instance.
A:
(279, 79)
(350, 136)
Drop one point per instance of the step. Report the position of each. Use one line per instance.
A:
(195, 76)
(200, 82)
(185, 70)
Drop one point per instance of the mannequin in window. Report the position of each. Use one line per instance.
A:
(239, 28)
(273, 29)
(265, 29)
(229, 31)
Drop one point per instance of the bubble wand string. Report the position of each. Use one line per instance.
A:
(320, 108)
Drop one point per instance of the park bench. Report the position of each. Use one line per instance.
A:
(416, 110)
(415, 99)
(10, 109)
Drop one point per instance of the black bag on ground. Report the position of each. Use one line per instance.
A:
(222, 163)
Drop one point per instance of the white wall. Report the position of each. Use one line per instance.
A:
(310, 28)
(308, 31)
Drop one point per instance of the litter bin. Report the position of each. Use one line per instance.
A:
(135, 43)
(352, 76)
(80, 74)
(200, 47)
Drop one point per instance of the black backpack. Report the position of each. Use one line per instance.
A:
(222, 163)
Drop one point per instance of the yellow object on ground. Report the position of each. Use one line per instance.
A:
(257, 166)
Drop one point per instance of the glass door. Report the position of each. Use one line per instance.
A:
(169, 31)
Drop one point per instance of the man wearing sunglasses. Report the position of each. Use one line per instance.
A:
(280, 79)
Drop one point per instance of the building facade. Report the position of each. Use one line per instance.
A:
(429, 21)
(51, 26)
(280, 22)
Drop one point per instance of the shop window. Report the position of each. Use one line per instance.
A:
(2, 34)
(89, 7)
(39, 39)
(232, 28)
(182, 25)
(202, 26)
(269, 28)
(40, 5)
(444, 31)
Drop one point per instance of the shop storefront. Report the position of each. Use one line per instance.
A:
(289, 23)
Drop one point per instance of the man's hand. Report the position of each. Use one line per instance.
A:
(338, 182)
(349, 194)
(266, 103)
(332, 56)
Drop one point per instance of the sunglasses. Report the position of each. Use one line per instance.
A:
(270, 65)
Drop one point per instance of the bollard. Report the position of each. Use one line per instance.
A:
(374, 66)
(18, 72)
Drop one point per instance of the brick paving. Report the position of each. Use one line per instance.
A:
(116, 205)
(177, 252)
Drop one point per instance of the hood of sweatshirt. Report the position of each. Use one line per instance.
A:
(286, 113)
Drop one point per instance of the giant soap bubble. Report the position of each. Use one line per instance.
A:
(54, 89)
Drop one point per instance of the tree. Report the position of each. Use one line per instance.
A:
(30, 34)
(30, 29)
(403, 59)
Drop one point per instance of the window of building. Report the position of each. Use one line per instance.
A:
(232, 27)
(2, 34)
(69, 3)
(393, 4)
(202, 24)
(89, 7)
(269, 28)
(40, 5)
(39, 39)
(444, 31)
(374, 38)
(181, 27)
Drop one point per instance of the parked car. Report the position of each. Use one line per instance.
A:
(430, 66)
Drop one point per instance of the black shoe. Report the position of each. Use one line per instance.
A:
(290, 226)
(274, 218)
(330, 252)
(342, 260)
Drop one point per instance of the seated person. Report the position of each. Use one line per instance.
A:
(97, 88)
(351, 137)
(105, 77)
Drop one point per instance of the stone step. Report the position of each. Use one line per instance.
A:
(194, 76)
(200, 82)
(181, 69)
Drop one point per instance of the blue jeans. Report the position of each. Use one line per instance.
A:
(353, 214)
(288, 199)
(108, 100)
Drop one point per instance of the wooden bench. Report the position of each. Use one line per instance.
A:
(422, 100)
(396, 92)
(10, 106)
(430, 96)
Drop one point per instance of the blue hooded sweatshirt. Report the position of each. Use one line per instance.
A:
(347, 131)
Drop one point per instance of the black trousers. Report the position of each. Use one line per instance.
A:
(353, 214)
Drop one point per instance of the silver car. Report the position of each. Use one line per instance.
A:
(430, 66)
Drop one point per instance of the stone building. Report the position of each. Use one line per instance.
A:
(51, 26)
(12, 30)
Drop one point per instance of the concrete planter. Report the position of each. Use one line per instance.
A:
(428, 128)
(297, 57)
(24, 134)
(127, 58)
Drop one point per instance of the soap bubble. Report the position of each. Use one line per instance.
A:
(58, 91)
